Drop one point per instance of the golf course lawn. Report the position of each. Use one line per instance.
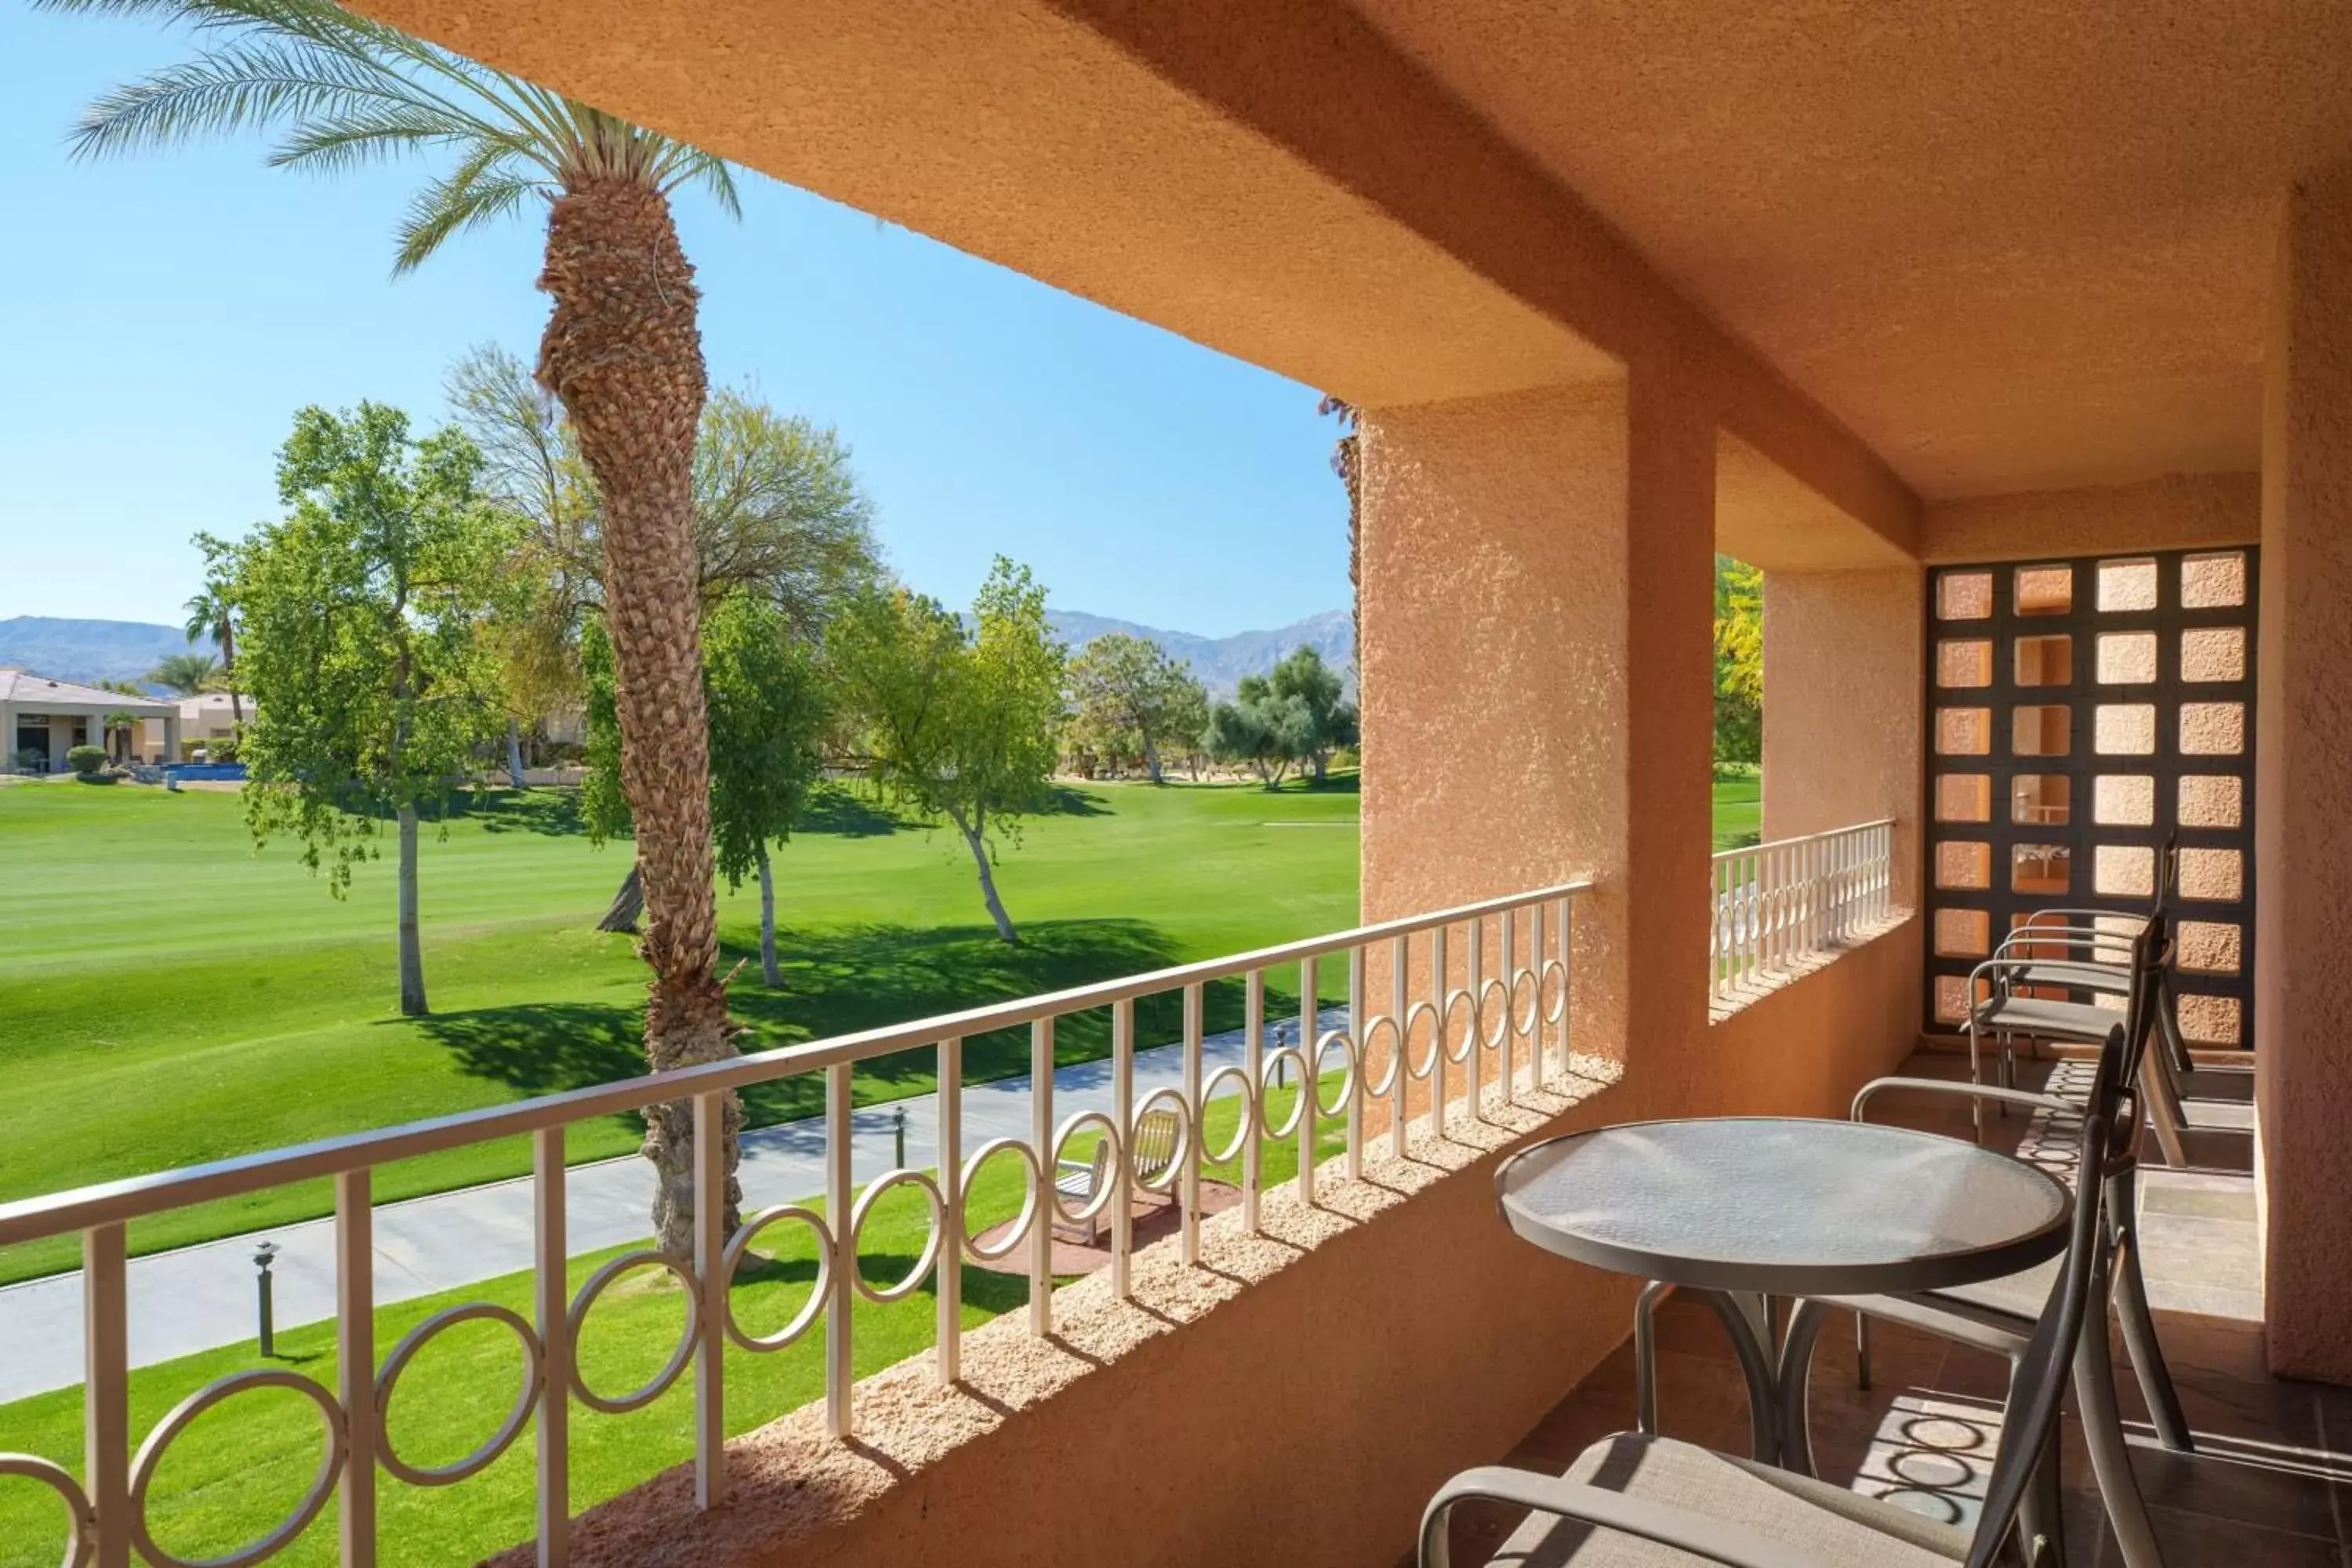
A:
(168, 995)
(1738, 811)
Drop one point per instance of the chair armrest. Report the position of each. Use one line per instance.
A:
(2024, 1096)
(1712, 1539)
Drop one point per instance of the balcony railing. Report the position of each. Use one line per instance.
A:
(1777, 903)
(1494, 997)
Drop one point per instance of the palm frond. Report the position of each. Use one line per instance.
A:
(346, 90)
(477, 192)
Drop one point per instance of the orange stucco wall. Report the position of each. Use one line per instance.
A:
(2176, 512)
(2302, 836)
(1841, 706)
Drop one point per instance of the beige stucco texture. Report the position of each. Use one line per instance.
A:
(2303, 835)
(1842, 683)
(2175, 512)
(2015, 245)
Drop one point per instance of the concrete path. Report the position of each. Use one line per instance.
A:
(202, 1296)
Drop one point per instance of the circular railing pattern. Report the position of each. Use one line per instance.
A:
(1349, 1055)
(937, 1229)
(1555, 1011)
(534, 1380)
(1187, 1134)
(1294, 1058)
(1032, 1201)
(819, 1293)
(1372, 1027)
(322, 1485)
(1489, 989)
(82, 1519)
(1243, 1125)
(1100, 1200)
(1470, 1027)
(678, 1360)
(1527, 1023)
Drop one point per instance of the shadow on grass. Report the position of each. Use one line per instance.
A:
(983, 1288)
(843, 980)
(840, 810)
(554, 812)
(1071, 801)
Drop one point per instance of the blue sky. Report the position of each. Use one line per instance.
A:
(167, 313)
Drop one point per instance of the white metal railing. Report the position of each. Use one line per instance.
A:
(1513, 992)
(1776, 902)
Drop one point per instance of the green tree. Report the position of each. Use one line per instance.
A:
(1330, 718)
(779, 514)
(362, 613)
(623, 349)
(1130, 699)
(958, 719)
(1739, 661)
(767, 722)
(212, 616)
(187, 674)
(1265, 730)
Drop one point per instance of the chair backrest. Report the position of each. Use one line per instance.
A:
(1155, 1142)
(2039, 1385)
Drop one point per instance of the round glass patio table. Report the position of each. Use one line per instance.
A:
(1785, 1205)
(1739, 1210)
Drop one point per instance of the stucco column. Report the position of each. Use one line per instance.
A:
(1536, 597)
(171, 739)
(60, 740)
(1842, 696)
(2303, 820)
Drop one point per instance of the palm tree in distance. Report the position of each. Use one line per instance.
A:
(1346, 462)
(189, 674)
(622, 349)
(209, 616)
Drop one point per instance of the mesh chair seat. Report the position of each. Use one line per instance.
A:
(2083, 1021)
(1834, 1527)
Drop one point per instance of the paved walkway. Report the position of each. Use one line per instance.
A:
(202, 1296)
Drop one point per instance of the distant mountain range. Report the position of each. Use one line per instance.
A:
(1220, 663)
(126, 650)
(88, 651)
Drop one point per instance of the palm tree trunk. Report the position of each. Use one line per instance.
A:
(622, 350)
(768, 968)
(228, 670)
(976, 840)
(412, 954)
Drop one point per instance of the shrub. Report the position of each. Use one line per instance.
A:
(102, 778)
(32, 760)
(221, 748)
(87, 760)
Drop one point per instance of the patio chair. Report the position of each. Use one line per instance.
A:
(1636, 1500)
(2093, 957)
(1077, 1180)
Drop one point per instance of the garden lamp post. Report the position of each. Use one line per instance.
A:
(899, 1121)
(261, 1259)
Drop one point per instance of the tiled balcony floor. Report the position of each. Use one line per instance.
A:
(2267, 1487)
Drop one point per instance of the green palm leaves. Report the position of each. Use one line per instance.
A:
(341, 90)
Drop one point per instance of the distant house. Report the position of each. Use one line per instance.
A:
(204, 719)
(42, 719)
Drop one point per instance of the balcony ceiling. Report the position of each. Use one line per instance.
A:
(2012, 245)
